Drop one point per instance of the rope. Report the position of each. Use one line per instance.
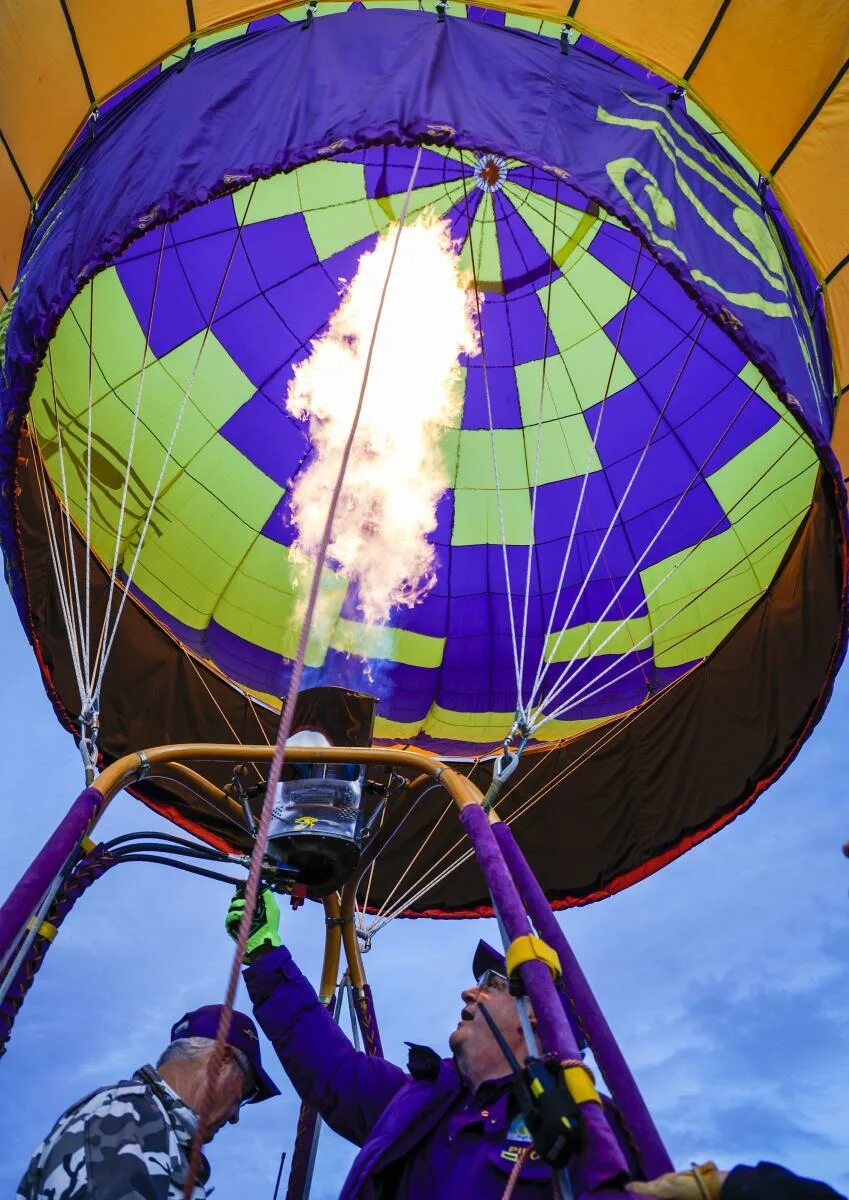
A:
(493, 451)
(222, 713)
(258, 853)
(514, 1174)
(44, 489)
(568, 677)
(130, 452)
(90, 408)
(584, 693)
(535, 490)
(592, 450)
(612, 524)
(67, 540)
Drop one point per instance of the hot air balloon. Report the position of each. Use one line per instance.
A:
(631, 602)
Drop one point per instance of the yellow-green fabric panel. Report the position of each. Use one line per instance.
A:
(477, 520)
(605, 637)
(261, 601)
(485, 729)
(690, 615)
(384, 642)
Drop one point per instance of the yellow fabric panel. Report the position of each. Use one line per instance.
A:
(767, 66)
(14, 208)
(210, 13)
(115, 50)
(42, 95)
(666, 32)
(814, 181)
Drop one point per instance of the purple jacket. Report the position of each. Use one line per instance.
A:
(424, 1136)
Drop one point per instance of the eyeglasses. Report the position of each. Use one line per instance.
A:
(251, 1087)
(493, 981)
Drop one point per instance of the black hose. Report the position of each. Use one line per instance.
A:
(180, 866)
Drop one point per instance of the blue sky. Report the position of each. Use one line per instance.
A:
(725, 976)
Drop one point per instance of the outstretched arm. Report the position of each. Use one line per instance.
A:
(348, 1088)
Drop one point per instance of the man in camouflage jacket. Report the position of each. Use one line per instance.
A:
(133, 1139)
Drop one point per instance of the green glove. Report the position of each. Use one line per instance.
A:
(265, 927)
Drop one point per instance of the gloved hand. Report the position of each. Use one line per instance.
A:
(265, 927)
(701, 1183)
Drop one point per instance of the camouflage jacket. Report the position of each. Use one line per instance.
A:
(132, 1139)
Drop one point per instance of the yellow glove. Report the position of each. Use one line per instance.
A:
(701, 1183)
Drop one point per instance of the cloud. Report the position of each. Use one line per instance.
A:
(724, 976)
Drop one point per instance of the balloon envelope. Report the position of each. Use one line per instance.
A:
(644, 525)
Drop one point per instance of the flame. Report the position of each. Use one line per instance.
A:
(396, 472)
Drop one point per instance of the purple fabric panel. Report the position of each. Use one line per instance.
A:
(525, 261)
(271, 439)
(31, 887)
(600, 1161)
(653, 1157)
(388, 169)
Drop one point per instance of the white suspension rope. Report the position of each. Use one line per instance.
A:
(541, 666)
(65, 517)
(421, 849)
(543, 719)
(492, 444)
(102, 654)
(621, 504)
(169, 449)
(520, 709)
(570, 674)
(90, 406)
(369, 868)
(584, 693)
(44, 490)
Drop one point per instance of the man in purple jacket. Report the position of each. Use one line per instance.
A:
(446, 1127)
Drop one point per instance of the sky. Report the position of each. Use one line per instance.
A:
(724, 976)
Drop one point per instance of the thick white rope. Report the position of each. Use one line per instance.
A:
(286, 717)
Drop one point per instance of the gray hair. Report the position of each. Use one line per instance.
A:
(186, 1049)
